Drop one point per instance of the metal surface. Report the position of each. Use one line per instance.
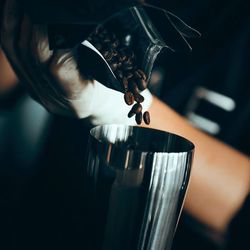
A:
(137, 180)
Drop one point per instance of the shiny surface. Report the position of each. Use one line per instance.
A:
(137, 180)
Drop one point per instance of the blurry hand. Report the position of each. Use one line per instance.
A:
(52, 76)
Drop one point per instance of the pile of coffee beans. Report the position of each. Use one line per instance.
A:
(122, 60)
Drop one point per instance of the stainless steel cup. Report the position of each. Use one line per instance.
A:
(136, 183)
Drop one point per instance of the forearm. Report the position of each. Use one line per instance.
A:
(220, 176)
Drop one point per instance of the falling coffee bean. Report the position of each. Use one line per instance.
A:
(138, 118)
(129, 98)
(138, 98)
(133, 87)
(142, 84)
(146, 117)
(137, 108)
(131, 113)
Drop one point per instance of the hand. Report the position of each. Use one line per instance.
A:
(52, 76)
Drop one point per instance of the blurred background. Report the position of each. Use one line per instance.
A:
(42, 155)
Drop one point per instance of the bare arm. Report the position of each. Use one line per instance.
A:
(8, 79)
(220, 176)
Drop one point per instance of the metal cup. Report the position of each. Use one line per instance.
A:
(136, 180)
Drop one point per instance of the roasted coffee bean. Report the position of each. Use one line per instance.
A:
(127, 67)
(131, 113)
(115, 53)
(127, 62)
(146, 117)
(138, 118)
(142, 74)
(115, 44)
(129, 75)
(138, 98)
(133, 87)
(125, 83)
(137, 108)
(119, 64)
(129, 98)
(119, 74)
(137, 75)
(122, 56)
(142, 84)
(114, 66)
(105, 53)
(108, 56)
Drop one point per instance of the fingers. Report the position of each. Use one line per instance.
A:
(40, 44)
(27, 56)
(63, 66)
(11, 26)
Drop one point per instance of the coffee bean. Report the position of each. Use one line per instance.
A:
(119, 64)
(105, 53)
(122, 56)
(129, 98)
(125, 83)
(119, 74)
(127, 67)
(143, 75)
(133, 87)
(142, 84)
(138, 98)
(129, 75)
(131, 113)
(146, 117)
(115, 44)
(128, 62)
(114, 66)
(108, 56)
(137, 108)
(137, 75)
(138, 118)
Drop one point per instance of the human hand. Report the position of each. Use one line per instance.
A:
(52, 76)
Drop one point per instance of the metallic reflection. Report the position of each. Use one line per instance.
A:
(137, 180)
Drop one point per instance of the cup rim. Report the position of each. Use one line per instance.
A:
(188, 143)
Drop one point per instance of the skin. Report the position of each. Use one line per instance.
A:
(220, 179)
(8, 79)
